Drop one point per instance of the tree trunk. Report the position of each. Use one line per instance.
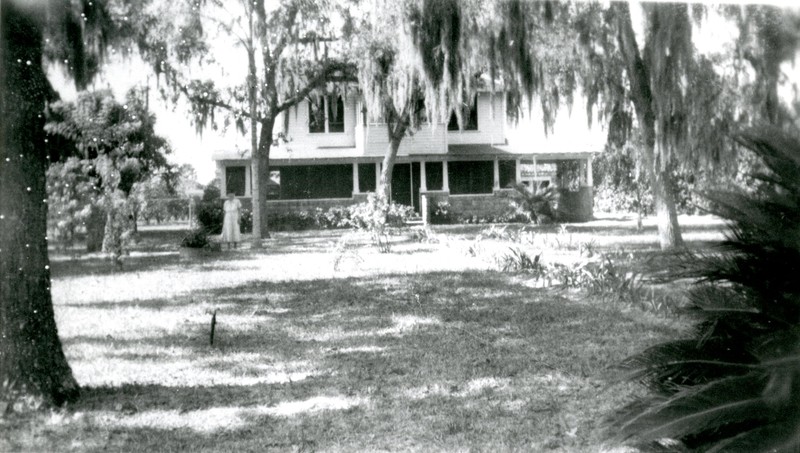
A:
(255, 167)
(32, 361)
(95, 229)
(669, 233)
(396, 135)
(265, 145)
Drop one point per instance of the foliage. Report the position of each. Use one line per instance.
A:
(518, 260)
(291, 50)
(619, 185)
(164, 194)
(375, 215)
(442, 214)
(537, 206)
(734, 385)
(118, 148)
(72, 194)
(196, 239)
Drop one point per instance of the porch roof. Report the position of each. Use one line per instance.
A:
(282, 155)
(515, 152)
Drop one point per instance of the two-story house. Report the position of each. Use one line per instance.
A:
(333, 155)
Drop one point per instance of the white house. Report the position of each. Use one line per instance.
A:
(333, 155)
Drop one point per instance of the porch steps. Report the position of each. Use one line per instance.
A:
(414, 221)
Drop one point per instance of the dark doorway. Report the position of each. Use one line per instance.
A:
(405, 184)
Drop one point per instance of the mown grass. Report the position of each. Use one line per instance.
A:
(421, 349)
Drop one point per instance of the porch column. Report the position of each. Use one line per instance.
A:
(589, 176)
(423, 183)
(377, 177)
(223, 181)
(496, 175)
(356, 189)
(582, 172)
(445, 177)
(518, 172)
(248, 185)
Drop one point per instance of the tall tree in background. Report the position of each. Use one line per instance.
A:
(393, 85)
(118, 146)
(653, 84)
(32, 361)
(291, 48)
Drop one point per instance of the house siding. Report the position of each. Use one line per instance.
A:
(425, 140)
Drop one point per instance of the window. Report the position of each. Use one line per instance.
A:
(319, 121)
(336, 115)
(316, 114)
(433, 176)
(471, 177)
(470, 115)
(508, 173)
(366, 177)
(235, 181)
(274, 184)
(303, 182)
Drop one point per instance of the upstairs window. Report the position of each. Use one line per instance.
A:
(316, 115)
(470, 115)
(235, 180)
(325, 114)
(335, 114)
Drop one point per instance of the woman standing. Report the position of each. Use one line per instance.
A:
(230, 226)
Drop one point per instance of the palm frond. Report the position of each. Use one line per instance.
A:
(734, 384)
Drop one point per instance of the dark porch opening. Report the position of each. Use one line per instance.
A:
(405, 184)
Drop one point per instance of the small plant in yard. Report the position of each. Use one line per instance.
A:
(375, 215)
(537, 206)
(518, 260)
(196, 239)
(495, 232)
(734, 384)
(442, 213)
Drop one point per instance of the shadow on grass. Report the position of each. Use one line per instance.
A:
(99, 265)
(445, 360)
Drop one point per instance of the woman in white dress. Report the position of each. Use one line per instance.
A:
(230, 225)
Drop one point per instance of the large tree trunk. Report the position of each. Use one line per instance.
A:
(32, 361)
(265, 145)
(256, 184)
(396, 135)
(669, 233)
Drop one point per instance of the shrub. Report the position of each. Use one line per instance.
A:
(537, 206)
(518, 260)
(734, 385)
(302, 220)
(196, 239)
(442, 214)
(209, 210)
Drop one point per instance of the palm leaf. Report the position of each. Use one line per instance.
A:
(734, 385)
(700, 409)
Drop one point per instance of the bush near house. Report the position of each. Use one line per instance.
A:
(210, 214)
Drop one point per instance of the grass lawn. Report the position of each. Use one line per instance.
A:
(425, 348)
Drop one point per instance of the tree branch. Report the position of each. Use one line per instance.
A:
(194, 98)
(325, 75)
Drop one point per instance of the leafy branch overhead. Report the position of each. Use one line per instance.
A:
(295, 50)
